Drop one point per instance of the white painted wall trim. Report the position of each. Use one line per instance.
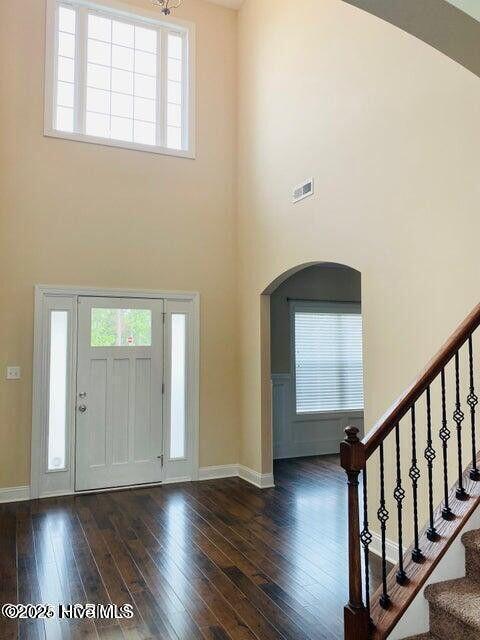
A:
(390, 547)
(415, 620)
(260, 480)
(217, 472)
(15, 494)
(296, 436)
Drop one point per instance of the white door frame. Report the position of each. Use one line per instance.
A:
(50, 483)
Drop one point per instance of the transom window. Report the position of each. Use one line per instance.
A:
(117, 78)
(328, 357)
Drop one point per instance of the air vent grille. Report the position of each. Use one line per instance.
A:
(303, 190)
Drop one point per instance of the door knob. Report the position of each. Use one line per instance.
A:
(82, 408)
(82, 394)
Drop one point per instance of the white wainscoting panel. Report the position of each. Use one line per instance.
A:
(295, 435)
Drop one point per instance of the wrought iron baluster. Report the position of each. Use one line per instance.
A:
(383, 517)
(445, 436)
(430, 456)
(417, 555)
(458, 417)
(366, 540)
(399, 495)
(472, 401)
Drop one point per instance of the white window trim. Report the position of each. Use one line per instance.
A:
(189, 103)
(319, 307)
(46, 482)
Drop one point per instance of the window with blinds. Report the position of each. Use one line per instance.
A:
(328, 358)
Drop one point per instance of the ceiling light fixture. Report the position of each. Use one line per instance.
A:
(166, 6)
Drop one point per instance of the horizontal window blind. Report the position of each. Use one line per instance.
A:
(328, 361)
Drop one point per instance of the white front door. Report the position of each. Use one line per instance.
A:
(119, 417)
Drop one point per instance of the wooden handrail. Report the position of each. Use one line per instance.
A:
(400, 407)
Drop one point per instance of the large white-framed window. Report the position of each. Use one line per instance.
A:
(327, 357)
(119, 77)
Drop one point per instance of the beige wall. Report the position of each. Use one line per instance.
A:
(389, 129)
(73, 213)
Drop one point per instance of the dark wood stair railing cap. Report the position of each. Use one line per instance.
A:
(352, 451)
(397, 411)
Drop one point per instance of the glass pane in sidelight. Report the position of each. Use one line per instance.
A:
(178, 386)
(175, 46)
(57, 406)
(174, 138)
(66, 19)
(121, 327)
(64, 120)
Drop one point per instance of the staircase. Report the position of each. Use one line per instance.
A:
(455, 604)
(437, 418)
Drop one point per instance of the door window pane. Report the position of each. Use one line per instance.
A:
(121, 328)
(57, 408)
(178, 387)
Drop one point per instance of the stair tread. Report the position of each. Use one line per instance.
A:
(471, 540)
(423, 636)
(459, 598)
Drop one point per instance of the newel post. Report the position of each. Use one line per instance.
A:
(353, 460)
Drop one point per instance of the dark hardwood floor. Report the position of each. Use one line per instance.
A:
(214, 560)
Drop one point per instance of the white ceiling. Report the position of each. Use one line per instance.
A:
(469, 6)
(231, 4)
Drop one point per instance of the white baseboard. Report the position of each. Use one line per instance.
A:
(260, 480)
(391, 548)
(15, 494)
(170, 481)
(218, 472)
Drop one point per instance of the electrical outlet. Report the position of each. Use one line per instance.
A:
(14, 373)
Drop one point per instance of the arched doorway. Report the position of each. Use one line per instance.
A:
(312, 365)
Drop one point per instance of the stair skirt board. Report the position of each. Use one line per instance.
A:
(391, 548)
(448, 608)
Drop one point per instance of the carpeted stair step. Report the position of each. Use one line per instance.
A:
(424, 636)
(471, 540)
(455, 609)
